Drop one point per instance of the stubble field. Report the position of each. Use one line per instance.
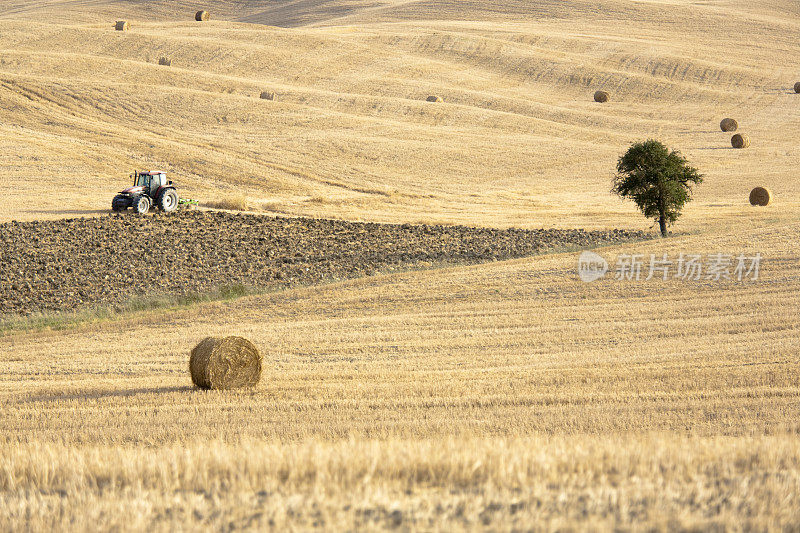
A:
(504, 395)
(508, 395)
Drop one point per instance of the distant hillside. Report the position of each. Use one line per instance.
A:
(516, 141)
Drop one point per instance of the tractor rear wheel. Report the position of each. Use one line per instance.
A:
(168, 201)
(141, 204)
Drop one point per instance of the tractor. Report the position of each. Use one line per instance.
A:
(149, 189)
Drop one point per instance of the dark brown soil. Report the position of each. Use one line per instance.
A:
(69, 264)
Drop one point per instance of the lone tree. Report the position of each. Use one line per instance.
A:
(657, 179)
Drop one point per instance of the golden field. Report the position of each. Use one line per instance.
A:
(509, 395)
(504, 396)
(518, 140)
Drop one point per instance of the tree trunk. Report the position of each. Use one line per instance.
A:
(662, 222)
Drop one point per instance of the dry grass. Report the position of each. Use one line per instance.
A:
(665, 482)
(497, 395)
(351, 121)
(502, 396)
(231, 203)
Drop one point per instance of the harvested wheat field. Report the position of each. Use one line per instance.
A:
(502, 395)
(352, 135)
(428, 357)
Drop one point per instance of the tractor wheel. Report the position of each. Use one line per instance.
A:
(141, 204)
(168, 201)
(119, 204)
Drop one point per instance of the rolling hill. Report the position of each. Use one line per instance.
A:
(518, 140)
(507, 395)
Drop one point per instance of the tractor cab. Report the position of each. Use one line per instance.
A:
(152, 181)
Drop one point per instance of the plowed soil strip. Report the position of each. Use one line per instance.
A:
(70, 264)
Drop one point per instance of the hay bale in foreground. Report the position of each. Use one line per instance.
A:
(760, 196)
(165, 61)
(601, 97)
(202, 16)
(740, 141)
(434, 98)
(797, 87)
(225, 363)
(266, 95)
(728, 124)
(122, 25)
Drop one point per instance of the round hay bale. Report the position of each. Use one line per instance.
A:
(122, 25)
(760, 196)
(434, 98)
(797, 87)
(266, 95)
(165, 61)
(728, 124)
(601, 97)
(225, 363)
(202, 16)
(740, 141)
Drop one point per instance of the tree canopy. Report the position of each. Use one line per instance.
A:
(657, 179)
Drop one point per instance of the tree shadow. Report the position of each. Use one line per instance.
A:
(97, 395)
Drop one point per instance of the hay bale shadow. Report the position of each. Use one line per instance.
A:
(92, 395)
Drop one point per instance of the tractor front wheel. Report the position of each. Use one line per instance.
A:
(168, 201)
(119, 203)
(141, 204)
